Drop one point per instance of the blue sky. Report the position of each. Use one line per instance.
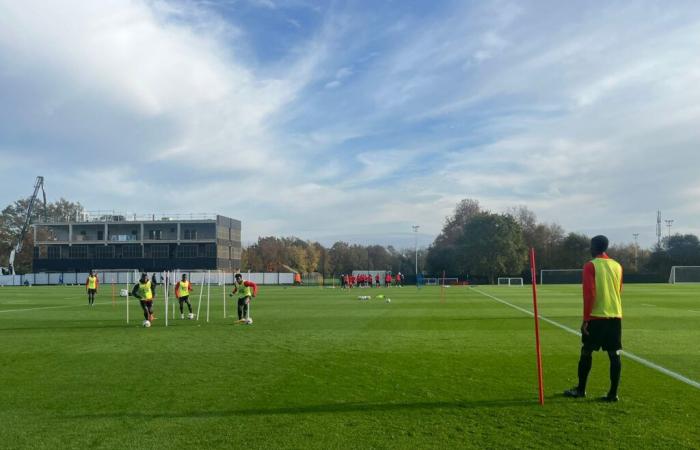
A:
(355, 120)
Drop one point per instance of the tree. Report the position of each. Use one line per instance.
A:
(573, 251)
(12, 220)
(492, 245)
(444, 253)
(677, 250)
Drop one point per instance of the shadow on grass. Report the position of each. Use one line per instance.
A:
(315, 409)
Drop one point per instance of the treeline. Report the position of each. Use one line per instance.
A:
(477, 243)
(272, 254)
(12, 219)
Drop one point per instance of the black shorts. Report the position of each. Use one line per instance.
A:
(184, 298)
(603, 333)
(92, 291)
(146, 303)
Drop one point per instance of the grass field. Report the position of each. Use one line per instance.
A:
(320, 369)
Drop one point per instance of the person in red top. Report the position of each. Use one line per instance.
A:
(602, 318)
(399, 279)
(182, 292)
(387, 280)
(246, 290)
(376, 280)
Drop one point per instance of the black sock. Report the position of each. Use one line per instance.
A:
(615, 369)
(584, 368)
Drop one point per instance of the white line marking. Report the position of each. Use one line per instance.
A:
(647, 304)
(49, 307)
(631, 356)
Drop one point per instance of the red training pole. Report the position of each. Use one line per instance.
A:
(533, 272)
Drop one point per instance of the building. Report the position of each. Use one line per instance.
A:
(149, 243)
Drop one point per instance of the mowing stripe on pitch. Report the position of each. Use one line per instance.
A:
(50, 307)
(631, 356)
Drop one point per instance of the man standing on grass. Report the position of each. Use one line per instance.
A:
(246, 290)
(602, 317)
(142, 291)
(91, 284)
(182, 292)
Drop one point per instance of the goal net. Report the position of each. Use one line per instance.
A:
(440, 281)
(510, 281)
(684, 274)
(561, 276)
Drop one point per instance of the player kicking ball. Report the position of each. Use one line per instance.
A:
(182, 292)
(142, 290)
(245, 290)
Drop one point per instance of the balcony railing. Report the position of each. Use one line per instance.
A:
(101, 216)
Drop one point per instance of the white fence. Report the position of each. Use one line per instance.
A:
(120, 277)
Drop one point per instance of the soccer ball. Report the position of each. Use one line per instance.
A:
(388, 300)
(146, 323)
(248, 321)
(190, 316)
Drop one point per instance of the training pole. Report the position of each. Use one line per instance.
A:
(127, 297)
(165, 296)
(223, 289)
(533, 273)
(442, 288)
(201, 290)
(208, 291)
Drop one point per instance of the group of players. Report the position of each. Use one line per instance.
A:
(146, 288)
(366, 280)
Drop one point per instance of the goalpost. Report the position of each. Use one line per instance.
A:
(561, 276)
(510, 281)
(684, 274)
(441, 281)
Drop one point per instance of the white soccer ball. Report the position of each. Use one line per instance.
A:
(146, 323)
(388, 300)
(248, 321)
(190, 316)
(123, 293)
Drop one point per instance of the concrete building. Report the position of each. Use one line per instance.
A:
(150, 243)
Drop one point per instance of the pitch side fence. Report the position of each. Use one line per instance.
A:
(120, 277)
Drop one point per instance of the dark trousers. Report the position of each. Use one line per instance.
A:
(243, 307)
(185, 300)
(147, 306)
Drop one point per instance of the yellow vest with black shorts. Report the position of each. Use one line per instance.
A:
(145, 291)
(608, 282)
(92, 282)
(243, 290)
(183, 289)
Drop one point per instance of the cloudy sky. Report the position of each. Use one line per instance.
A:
(355, 120)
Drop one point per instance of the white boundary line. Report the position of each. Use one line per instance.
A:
(631, 356)
(49, 307)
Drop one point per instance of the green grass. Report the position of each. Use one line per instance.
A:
(320, 369)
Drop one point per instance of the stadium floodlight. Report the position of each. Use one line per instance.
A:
(510, 281)
(684, 274)
(561, 276)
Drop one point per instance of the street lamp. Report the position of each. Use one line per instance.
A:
(415, 246)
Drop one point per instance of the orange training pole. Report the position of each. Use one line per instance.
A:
(533, 272)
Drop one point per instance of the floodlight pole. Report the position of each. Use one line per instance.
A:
(636, 248)
(669, 222)
(415, 246)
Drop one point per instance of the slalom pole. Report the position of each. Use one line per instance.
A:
(201, 290)
(442, 288)
(208, 290)
(127, 297)
(533, 273)
(224, 292)
(114, 288)
(165, 295)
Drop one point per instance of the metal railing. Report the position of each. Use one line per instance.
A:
(102, 216)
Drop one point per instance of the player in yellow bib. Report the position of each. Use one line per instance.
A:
(142, 291)
(244, 290)
(182, 292)
(91, 284)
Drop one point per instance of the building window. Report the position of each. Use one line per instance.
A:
(160, 251)
(131, 251)
(187, 251)
(79, 251)
(155, 235)
(190, 235)
(104, 252)
(53, 252)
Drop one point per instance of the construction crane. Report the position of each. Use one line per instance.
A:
(39, 184)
